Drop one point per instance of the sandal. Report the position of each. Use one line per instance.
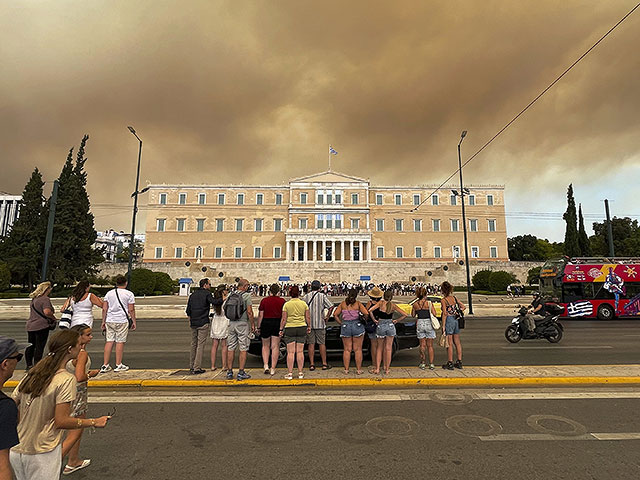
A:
(312, 368)
(327, 367)
(359, 372)
(68, 469)
(288, 376)
(301, 375)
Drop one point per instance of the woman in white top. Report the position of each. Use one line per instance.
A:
(82, 302)
(219, 328)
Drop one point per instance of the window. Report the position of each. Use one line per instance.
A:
(160, 224)
(257, 252)
(354, 199)
(437, 252)
(398, 199)
(202, 198)
(329, 199)
(240, 199)
(492, 225)
(435, 200)
(399, 222)
(319, 221)
(221, 199)
(198, 252)
(338, 198)
(380, 251)
(182, 198)
(277, 224)
(473, 225)
(200, 225)
(219, 224)
(239, 224)
(278, 199)
(489, 200)
(180, 225)
(218, 252)
(379, 225)
(158, 252)
(178, 252)
(456, 251)
(338, 221)
(418, 252)
(237, 252)
(455, 225)
(258, 224)
(259, 198)
(472, 200)
(436, 224)
(302, 223)
(475, 252)
(417, 225)
(378, 199)
(320, 198)
(453, 199)
(277, 252)
(493, 252)
(416, 199)
(355, 223)
(328, 221)
(163, 199)
(399, 252)
(303, 198)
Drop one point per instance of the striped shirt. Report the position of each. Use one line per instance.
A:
(317, 302)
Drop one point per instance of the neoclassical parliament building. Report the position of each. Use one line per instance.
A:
(326, 217)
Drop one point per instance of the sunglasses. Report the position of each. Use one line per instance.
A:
(16, 357)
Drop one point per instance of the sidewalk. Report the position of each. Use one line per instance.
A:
(399, 377)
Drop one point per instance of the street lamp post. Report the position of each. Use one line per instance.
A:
(464, 224)
(135, 207)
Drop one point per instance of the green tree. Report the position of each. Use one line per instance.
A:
(571, 246)
(72, 254)
(530, 248)
(143, 281)
(626, 238)
(499, 280)
(533, 275)
(23, 248)
(480, 279)
(5, 276)
(583, 239)
(123, 256)
(164, 283)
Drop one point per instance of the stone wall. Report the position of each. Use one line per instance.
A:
(380, 272)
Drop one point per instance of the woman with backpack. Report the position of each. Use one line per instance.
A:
(81, 303)
(452, 311)
(41, 321)
(351, 329)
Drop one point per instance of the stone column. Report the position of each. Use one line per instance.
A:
(342, 249)
(360, 250)
(315, 250)
(304, 251)
(368, 250)
(323, 254)
(333, 250)
(288, 250)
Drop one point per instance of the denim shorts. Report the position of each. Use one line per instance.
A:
(352, 328)
(451, 326)
(386, 329)
(424, 328)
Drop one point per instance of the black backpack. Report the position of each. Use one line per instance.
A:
(235, 306)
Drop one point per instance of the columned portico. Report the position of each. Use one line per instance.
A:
(338, 247)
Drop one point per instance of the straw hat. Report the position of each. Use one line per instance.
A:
(375, 292)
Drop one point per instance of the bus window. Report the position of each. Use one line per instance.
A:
(587, 290)
(633, 289)
(572, 292)
(602, 293)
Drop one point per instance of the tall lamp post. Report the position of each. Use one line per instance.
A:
(463, 192)
(135, 207)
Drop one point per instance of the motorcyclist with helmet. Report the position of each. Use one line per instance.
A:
(536, 312)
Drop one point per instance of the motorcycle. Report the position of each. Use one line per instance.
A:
(548, 328)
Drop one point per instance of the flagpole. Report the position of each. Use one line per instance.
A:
(329, 155)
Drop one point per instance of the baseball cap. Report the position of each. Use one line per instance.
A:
(8, 346)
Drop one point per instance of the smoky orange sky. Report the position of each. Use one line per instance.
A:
(254, 91)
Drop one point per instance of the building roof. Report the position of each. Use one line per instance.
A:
(329, 177)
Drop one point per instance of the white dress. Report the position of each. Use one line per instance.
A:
(219, 325)
(82, 312)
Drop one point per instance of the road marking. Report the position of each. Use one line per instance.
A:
(556, 395)
(515, 437)
(565, 347)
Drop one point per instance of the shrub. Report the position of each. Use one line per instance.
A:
(533, 275)
(481, 280)
(499, 280)
(164, 283)
(143, 281)
(5, 276)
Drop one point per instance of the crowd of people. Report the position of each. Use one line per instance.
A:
(343, 288)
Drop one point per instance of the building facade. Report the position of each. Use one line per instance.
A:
(326, 217)
(9, 211)
(112, 243)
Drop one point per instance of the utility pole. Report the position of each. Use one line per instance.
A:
(132, 242)
(464, 225)
(49, 238)
(609, 228)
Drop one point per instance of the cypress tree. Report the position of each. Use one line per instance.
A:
(583, 239)
(571, 246)
(23, 248)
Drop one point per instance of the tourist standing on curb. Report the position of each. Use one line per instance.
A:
(44, 398)
(351, 329)
(219, 328)
(198, 307)
(295, 326)
(450, 326)
(118, 315)
(80, 367)
(424, 309)
(10, 356)
(269, 318)
(239, 310)
(375, 295)
(386, 330)
(41, 322)
(318, 303)
(81, 302)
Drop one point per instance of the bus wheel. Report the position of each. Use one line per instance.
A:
(605, 312)
(512, 334)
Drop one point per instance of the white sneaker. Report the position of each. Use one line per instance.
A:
(105, 368)
(121, 368)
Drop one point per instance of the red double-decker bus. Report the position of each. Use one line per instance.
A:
(599, 287)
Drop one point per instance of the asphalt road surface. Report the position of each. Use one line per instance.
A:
(165, 344)
(417, 434)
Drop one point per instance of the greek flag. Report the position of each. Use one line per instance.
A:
(579, 309)
(332, 151)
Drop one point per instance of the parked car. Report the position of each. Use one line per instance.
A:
(435, 299)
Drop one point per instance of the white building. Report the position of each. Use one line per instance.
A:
(9, 211)
(114, 242)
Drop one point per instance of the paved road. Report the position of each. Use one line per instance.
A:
(165, 344)
(416, 434)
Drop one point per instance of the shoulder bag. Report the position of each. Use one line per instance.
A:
(52, 323)
(129, 320)
(67, 314)
(458, 313)
(435, 323)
